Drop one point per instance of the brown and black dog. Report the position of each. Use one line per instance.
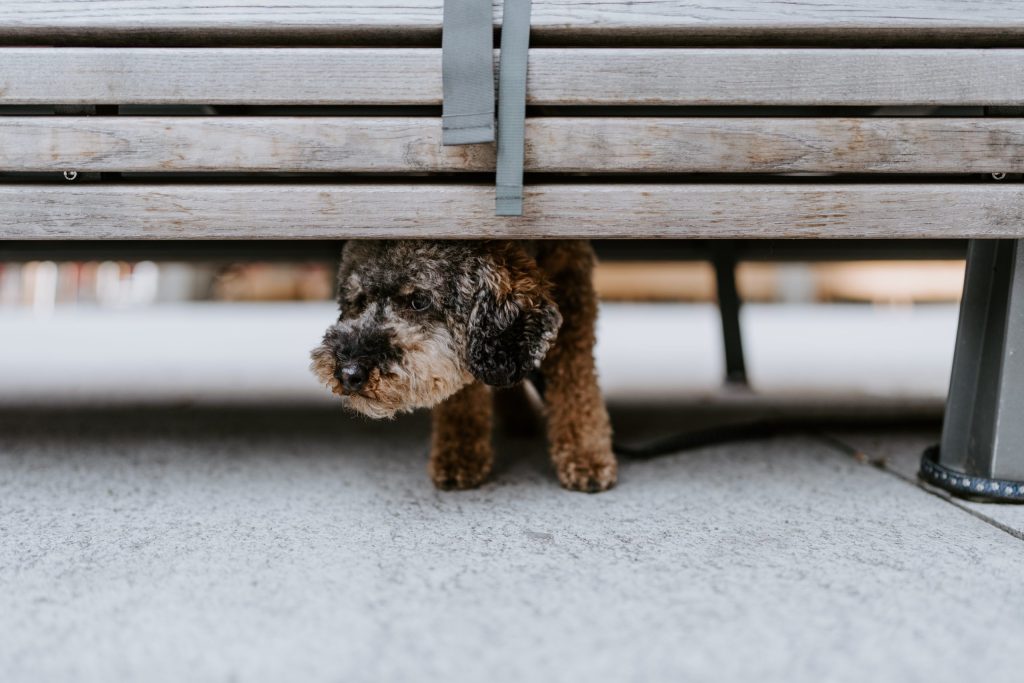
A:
(439, 323)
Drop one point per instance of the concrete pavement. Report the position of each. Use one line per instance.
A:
(257, 544)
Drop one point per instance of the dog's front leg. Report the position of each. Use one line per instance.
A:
(579, 430)
(460, 453)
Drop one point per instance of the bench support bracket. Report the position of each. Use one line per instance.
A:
(982, 450)
(724, 261)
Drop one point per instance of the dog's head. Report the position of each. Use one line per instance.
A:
(422, 319)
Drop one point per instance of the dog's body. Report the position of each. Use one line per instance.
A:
(438, 323)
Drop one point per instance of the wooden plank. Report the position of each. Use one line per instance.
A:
(220, 76)
(225, 143)
(778, 77)
(303, 211)
(583, 76)
(776, 145)
(559, 145)
(145, 21)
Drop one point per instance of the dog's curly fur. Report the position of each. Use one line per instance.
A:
(438, 323)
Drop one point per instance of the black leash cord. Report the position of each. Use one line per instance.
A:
(699, 438)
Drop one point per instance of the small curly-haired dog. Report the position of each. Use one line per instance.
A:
(438, 323)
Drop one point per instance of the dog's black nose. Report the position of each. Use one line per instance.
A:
(352, 376)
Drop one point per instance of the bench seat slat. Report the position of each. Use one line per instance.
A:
(296, 211)
(147, 20)
(553, 145)
(557, 76)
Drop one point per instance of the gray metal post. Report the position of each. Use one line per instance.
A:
(982, 448)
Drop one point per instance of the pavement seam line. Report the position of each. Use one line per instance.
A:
(881, 465)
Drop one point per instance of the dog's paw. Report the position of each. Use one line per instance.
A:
(588, 476)
(455, 475)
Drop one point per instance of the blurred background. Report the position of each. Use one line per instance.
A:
(86, 329)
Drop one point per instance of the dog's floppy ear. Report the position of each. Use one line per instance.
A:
(514, 320)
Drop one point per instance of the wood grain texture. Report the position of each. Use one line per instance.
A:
(243, 144)
(220, 76)
(582, 76)
(776, 145)
(742, 76)
(140, 21)
(553, 145)
(296, 211)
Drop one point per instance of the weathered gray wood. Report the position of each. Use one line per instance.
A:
(564, 145)
(776, 145)
(146, 20)
(700, 76)
(220, 76)
(192, 211)
(779, 76)
(224, 143)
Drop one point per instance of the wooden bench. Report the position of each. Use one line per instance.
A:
(738, 119)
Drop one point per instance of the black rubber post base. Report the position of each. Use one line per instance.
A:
(966, 485)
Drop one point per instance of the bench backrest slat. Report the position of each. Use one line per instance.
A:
(330, 211)
(382, 76)
(554, 145)
(141, 21)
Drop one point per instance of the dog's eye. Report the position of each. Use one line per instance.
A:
(359, 302)
(419, 301)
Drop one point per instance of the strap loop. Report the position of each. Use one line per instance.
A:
(515, 49)
(467, 72)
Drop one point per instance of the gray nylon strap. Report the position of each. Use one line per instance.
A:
(467, 72)
(515, 48)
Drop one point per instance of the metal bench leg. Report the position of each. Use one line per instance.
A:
(729, 306)
(982, 450)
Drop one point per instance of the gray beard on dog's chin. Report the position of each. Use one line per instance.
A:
(376, 410)
(367, 408)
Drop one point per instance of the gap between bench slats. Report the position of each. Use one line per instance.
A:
(143, 21)
(583, 76)
(553, 145)
(294, 211)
